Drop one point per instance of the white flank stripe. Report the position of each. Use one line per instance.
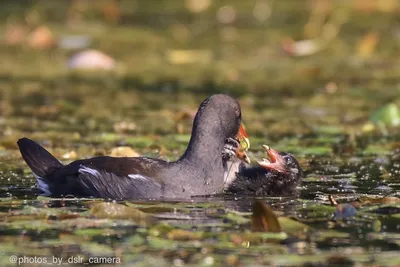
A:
(137, 177)
(83, 169)
(43, 186)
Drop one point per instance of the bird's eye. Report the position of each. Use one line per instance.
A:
(287, 159)
(238, 113)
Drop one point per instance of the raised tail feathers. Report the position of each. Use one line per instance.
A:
(40, 161)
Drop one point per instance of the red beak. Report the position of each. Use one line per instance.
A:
(242, 132)
(276, 161)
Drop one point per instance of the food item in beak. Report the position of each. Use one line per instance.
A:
(243, 138)
(244, 142)
(243, 156)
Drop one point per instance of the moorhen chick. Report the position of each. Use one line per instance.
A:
(199, 171)
(279, 176)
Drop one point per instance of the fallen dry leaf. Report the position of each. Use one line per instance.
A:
(264, 219)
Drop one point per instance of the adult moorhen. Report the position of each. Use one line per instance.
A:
(199, 171)
(279, 176)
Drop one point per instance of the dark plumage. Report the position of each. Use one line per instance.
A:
(199, 171)
(279, 176)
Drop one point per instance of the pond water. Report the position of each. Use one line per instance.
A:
(360, 171)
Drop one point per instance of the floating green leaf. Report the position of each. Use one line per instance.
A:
(110, 210)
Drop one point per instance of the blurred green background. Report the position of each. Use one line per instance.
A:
(297, 67)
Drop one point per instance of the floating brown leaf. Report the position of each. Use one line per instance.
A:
(179, 57)
(15, 34)
(112, 11)
(108, 210)
(332, 200)
(367, 45)
(183, 235)
(41, 38)
(70, 155)
(264, 219)
(384, 200)
(123, 151)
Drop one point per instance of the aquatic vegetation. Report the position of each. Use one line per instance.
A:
(314, 103)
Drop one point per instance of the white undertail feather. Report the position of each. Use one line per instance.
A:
(43, 185)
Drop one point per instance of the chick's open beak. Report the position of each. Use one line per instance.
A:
(275, 162)
(244, 144)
